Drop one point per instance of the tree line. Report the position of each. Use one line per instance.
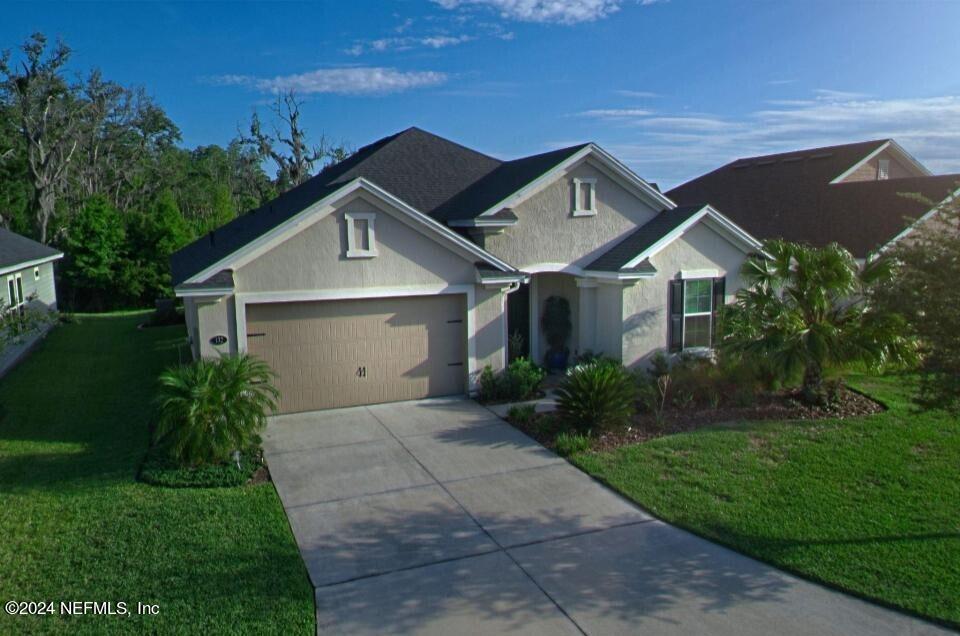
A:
(97, 169)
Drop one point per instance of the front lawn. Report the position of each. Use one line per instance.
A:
(869, 505)
(76, 526)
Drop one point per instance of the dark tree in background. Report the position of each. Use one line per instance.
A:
(49, 112)
(96, 168)
(287, 146)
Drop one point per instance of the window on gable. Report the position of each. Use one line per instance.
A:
(883, 169)
(361, 237)
(584, 197)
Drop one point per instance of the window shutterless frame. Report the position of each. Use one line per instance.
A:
(361, 235)
(15, 292)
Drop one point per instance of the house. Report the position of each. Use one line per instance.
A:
(26, 272)
(26, 269)
(402, 271)
(849, 194)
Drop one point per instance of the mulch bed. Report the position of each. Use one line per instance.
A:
(784, 405)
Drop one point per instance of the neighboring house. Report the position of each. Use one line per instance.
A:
(26, 271)
(402, 271)
(849, 194)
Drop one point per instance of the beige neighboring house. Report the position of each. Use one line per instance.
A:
(852, 194)
(402, 272)
(26, 273)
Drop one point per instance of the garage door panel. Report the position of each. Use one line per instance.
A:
(342, 353)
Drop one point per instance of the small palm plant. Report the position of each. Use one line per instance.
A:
(598, 395)
(211, 408)
(805, 308)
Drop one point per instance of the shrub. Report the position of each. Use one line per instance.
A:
(210, 408)
(599, 395)
(521, 414)
(568, 444)
(519, 381)
(159, 469)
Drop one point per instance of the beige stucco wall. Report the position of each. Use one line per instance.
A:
(316, 258)
(547, 231)
(869, 170)
(215, 317)
(645, 312)
(491, 328)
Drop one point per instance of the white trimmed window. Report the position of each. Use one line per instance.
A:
(15, 293)
(584, 197)
(361, 236)
(883, 169)
(697, 313)
(694, 301)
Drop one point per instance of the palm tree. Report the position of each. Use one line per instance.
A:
(804, 309)
(210, 408)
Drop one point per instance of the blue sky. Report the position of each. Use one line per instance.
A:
(673, 88)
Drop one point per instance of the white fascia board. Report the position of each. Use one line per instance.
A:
(319, 210)
(478, 222)
(201, 293)
(741, 238)
(910, 229)
(29, 264)
(627, 176)
(438, 227)
(899, 150)
(593, 273)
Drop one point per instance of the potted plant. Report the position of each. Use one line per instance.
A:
(556, 328)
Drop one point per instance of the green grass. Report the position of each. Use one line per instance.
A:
(870, 505)
(75, 525)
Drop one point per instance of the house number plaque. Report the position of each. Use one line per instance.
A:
(218, 340)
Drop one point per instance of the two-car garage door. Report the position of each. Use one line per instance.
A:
(336, 353)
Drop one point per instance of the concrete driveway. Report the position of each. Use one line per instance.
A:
(435, 517)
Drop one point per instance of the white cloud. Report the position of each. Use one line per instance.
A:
(614, 113)
(671, 148)
(406, 43)
(636, 94)
(554, 11)
(357, 80)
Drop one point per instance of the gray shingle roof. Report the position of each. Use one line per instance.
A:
(790, 196)
(16, 249)
(614, 259)
(437, 177)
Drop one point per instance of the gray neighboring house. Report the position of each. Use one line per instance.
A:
(402, 272)
(26, 272)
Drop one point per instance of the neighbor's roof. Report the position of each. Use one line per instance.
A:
(16, 250)
(789, 196)
(641, 239)
(433, 175)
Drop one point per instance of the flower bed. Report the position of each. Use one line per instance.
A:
(779, 405)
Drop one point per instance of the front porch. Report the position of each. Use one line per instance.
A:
(595, 315)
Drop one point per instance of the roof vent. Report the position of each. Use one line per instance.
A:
(821, 155)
